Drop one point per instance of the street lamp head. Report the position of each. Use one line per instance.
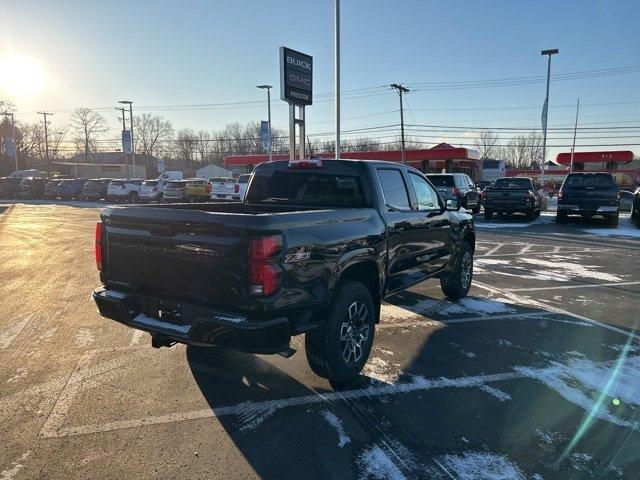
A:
(126, 102)
(552, 51)
(264, 86)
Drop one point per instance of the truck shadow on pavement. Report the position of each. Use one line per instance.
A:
(450, 387)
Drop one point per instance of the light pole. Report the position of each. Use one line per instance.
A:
(337, 73)
(575, 130)
(13, 137)
(545, 110)
(46, 141)
(268, 89)
(133, 148)
(401, 90)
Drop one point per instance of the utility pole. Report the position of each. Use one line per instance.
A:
(545, 110)
(46, 141)
(268, 89)
(400, 89)
(124, 127)
(133, 145)
(575, 129)
(337, 74)
(13, 137)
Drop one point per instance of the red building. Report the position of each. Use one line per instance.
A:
(430, 160)
(620, 163)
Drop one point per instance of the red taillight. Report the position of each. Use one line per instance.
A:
(236, 188)
(98, 246)
(265, 275)
(454, 191)
(310, 163)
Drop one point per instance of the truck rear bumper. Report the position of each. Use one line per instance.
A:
(590, 209)
(192, 324)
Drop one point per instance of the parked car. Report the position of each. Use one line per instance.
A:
(71, 189)
(241, 186)
(32, 187)
(198, 191)
(124, 190)
(223, 188)
(171, 175)
(51, 189)
(96, 189)
(635, 206)
(32, 173)
(458, 186)
(512, 195)
(589, 194)
(152, 190)
(175, 191)
(313, 249)
(10, 187)
(482, 184)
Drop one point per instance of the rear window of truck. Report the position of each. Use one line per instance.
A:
(306, 188)
(442, 180)
(514, 183)
(592, 180)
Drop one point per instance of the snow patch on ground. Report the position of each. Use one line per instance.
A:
(499, 394)
(254, 415)
(581, 382)
(573, 270)
(378, 465)
(548, 437)
(475, 465)
(490, 261)
(626, 228)
(504, 343)
(380, 370)
(477, 306)
(20, 373)
(335, 422)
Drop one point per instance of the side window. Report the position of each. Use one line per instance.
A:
(393, 188)
(425, 195)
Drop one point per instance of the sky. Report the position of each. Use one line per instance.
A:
(166, 56)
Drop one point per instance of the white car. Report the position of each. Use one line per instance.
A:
(241, 186)
(124, 190)
(151, 190)
(223, 188)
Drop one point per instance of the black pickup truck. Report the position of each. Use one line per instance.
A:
(512, 195)
(314, 248)
(589, 194)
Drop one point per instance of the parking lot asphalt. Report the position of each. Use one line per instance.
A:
(536, 374)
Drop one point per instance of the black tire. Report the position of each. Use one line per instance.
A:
(612, 220)
(531, 214)
(324, 346)
(456, 279)
(537, 214)
(476, 209)
(561, 217)
(488, 214)
(635, 212)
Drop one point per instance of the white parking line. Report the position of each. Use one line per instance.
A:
(9, 335)
(567, 287)
(494, 249)
(419, 384)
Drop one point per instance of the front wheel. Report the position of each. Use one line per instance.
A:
(561, 217)
(488, 214)
(612, 220)
(476, 209)
(456, 280)
(338, 349)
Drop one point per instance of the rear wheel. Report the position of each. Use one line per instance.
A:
(476, 209)
(635, 211)
(612, 220)
(531, 213)
(488, 214)
(338, 349)
(456, 280)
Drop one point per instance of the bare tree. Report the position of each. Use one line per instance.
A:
(534, 148)
(516, 152)
(152, 133)
(87, 126)
(186, 145)
(486, 143)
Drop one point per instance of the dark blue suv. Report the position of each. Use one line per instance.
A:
(68, 189)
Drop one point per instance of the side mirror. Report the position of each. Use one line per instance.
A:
(453, 205)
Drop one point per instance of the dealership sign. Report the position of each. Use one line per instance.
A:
(296, 77)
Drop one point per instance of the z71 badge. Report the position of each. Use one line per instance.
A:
(297, 257)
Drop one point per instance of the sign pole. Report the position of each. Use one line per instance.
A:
(301, 123)
(292, 131)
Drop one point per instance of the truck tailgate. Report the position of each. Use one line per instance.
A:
(177, 254)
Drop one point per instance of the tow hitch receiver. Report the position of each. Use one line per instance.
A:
(161, 341)
(287, 352)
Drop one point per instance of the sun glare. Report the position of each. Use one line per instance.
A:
(20, 76)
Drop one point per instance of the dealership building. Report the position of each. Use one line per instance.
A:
(441, 158)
